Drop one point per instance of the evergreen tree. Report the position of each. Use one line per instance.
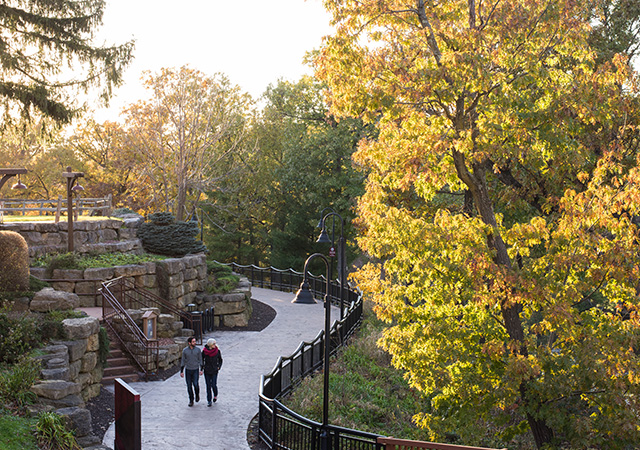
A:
(48, 57)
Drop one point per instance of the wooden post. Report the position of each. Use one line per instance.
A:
(71, 177)
(58, 209)
(127, 417)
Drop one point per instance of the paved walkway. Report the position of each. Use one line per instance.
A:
(167, 421)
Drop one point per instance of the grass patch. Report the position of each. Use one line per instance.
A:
(365, 392)
(89, 261)
(16, 433)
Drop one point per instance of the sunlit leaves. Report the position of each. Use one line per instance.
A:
(517, 298)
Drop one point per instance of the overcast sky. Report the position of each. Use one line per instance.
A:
(253, 42)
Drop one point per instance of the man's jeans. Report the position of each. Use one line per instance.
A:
(191, 377)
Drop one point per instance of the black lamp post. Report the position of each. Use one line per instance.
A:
(72, 186)
(304, 295)
(324, 237)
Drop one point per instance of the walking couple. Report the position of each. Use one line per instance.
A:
(195, 363)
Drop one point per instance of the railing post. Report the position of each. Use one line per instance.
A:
(274, 415)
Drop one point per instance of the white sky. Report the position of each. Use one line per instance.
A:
(253, 42)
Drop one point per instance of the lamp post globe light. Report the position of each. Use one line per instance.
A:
(324, 238)
(305, 296)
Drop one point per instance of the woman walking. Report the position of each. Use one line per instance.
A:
(211, 363)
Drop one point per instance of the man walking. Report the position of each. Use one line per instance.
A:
(191, 364)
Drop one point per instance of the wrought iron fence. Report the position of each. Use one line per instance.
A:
(280, 427)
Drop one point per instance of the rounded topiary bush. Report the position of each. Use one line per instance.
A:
(14, 263)
(164, 236)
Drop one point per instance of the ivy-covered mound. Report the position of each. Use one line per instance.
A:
(164, 236)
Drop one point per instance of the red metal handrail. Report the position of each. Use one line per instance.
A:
(405, 444)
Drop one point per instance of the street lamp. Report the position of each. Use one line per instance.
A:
(304, 295)
(72, 186)
(8, 173)
(324, 238)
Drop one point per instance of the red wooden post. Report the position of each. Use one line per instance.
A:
(128, 417)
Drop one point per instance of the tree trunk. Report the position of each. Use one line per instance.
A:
(476, 182)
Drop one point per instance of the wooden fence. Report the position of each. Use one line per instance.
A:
(32, 207)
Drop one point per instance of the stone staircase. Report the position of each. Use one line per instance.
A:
(118, 365)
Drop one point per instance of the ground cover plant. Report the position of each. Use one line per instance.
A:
(88, 261)
(367, 393)
(16, 433)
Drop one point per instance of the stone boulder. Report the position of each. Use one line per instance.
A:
(55, 389)
(81, 328)
(48, 299)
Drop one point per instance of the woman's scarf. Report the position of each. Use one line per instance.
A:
(210, 351)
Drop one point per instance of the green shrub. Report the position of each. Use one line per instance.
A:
(52, 432)
(50, 324)
(16, 380)
(36, 284)
(214, 267)
(14, 264)
(221, 278)
(103, 346)
(164, 236)
(64, 261)
(17, 337)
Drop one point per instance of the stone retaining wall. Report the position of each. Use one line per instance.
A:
(180, 281)
(100, 236)
(71, 375)
(173, 337)
(176, 280)
(230, 310)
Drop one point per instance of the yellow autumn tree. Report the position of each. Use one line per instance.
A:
(185, 135)
(500, 213)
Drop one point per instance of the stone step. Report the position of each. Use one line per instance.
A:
(118, 370)
(118, 361)
(129, 378)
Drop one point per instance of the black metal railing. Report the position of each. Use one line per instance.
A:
(288, 280)
(280, 427)
(120, 294)
(144, 352)
(131, 296)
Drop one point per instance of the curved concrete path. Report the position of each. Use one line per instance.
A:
(167, 421)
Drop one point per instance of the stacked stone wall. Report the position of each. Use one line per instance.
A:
(230, 310)
(71, 375)
(100, 236)
(176, 280)
(180, 279)
(171, 334)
